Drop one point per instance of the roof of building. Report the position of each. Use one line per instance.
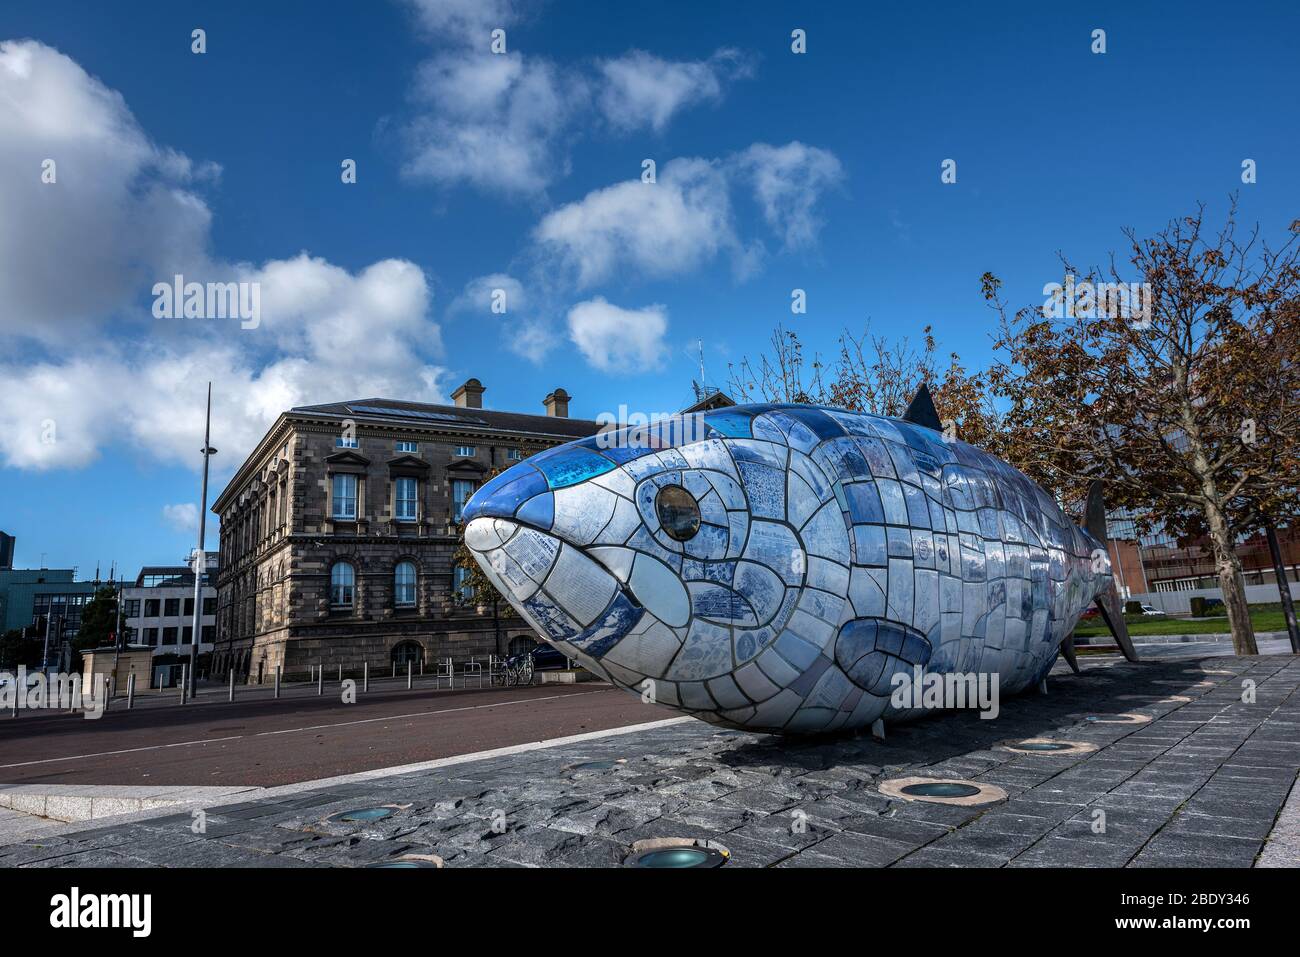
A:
(452, 416)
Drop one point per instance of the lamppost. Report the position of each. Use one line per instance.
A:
(200, 556)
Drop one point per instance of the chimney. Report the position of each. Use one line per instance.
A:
(557, 404)
(470, 395)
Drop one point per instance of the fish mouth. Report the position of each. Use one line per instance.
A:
(571, 601)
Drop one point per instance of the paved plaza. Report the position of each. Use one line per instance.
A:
(1167, 765)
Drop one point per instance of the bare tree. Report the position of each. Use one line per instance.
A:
(870, 374)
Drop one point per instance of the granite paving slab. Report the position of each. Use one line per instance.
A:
(1206, 782)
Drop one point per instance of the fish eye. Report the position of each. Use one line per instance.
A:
(678, 512)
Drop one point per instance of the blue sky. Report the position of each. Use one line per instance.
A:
(521, 171)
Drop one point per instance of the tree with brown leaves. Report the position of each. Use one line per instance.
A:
(1184, 399)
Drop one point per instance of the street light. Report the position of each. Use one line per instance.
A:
(201, 556)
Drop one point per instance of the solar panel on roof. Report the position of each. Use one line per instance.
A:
(414, 414)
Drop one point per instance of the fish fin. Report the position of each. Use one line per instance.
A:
(1112, 611)
(1067, 652)
(921, 411)
(1094, 513)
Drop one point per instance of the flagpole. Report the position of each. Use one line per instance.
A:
(200, 557)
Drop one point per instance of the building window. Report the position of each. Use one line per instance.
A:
(460, 586)
(151, 606)
(406, 446)
(209, 634)
(514, 455)
(345, 496)
(187, 635)
(151, 637)
(342, 582)
(345, 442)
(468, 451)
(209, 606)
(407, 652)
(461, 490)
(404, 584)
(189, 607)
(131, 608)
(406, 496)
(169, 636)
(171, 607)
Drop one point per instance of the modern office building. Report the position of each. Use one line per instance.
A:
(338, 531)
(158, 612)
(29, 594)
(6, 551)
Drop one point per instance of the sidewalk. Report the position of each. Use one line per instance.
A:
(1165, 764)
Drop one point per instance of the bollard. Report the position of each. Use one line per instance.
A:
(365, 677)
(231, 696)
(277, 681)
(408, 675)
(340, 674)
(394, 669)
(320, 680)
(107, 693)
(422, 667)
(184, 682)
(130, 691)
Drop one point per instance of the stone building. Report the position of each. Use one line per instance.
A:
(337, 535)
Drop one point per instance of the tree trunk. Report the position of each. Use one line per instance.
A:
(1228, 567)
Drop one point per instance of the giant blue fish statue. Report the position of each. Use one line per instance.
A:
(775, 567)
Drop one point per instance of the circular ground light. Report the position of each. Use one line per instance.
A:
(409, 860)
(1047, 746)
(362, 815)
(1184, 684)
(942, 791)
(596, 765)
(676, 853)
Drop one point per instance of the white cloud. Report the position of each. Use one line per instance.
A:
(183, 517)
(686, 219)
(661, 228)
(92, 253)
(477, 298)
(118, 214)
(505, 122)
(643, 90)
(787, 182)
(614, 339)
(492, 121)
(469, 20)
(326, 334)
(523, 328)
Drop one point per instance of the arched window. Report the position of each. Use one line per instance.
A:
(342, 582)
(521, 644)
(407, 651)
(404, 584)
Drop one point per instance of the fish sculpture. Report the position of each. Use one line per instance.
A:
(773, 567)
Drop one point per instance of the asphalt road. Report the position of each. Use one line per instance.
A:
(301, 737)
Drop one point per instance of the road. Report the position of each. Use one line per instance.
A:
(263, 742)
